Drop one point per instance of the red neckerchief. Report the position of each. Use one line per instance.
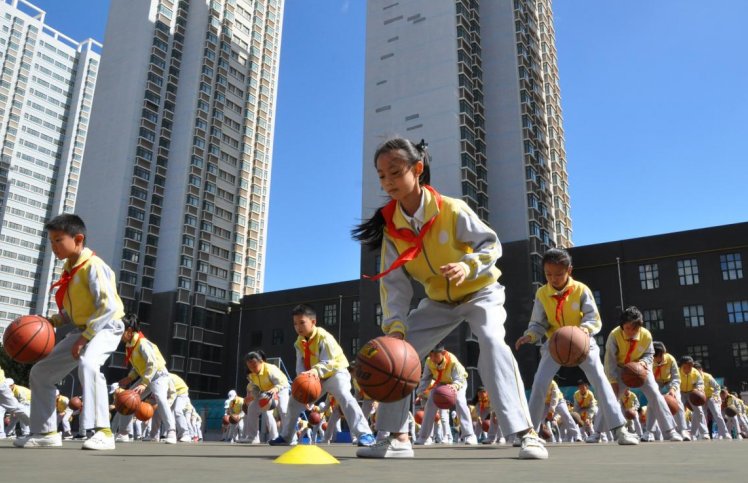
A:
(483, 402)
(307, 354)
(658, 370)
(440, 371)
(64, 281)
(560, 299)
(632, 346)
(129, 350)
(405, 234)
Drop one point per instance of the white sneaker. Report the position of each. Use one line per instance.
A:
(672, 435)
(387, 448)
(171, 437)
(99, 441)
(501, 440)
(39, 441)
(424, 442)
(532, 447)
(686, 435)
(122, 438)
(593, 438)
(471, 440)
(623, 437)
(185, 439)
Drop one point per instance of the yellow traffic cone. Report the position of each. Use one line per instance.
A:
(304, 454)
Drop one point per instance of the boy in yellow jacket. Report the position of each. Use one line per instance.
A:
(667, 376)
(86, 298)
(690, 380)
(713, 403)
(266, 381)
(564, 301)
(148, 373)
(319, 355)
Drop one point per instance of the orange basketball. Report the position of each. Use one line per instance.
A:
(634, 374)
(545, 432)
(144, 411)
(444, 396)
(672, 404)
(569, 346)
(418, 416)
(388, 369)
(76, 404)
(730, 411)
(127, 402)
(235, 418)
(268, 402)
(314, 418)
(306, 388)
(324, 426)
(485, 425)
(225, 421)
(629, 414)
(29, 338)
(697, 398)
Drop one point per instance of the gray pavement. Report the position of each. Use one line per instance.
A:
(703, 461)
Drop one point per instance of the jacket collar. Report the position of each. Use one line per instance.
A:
(430, 210)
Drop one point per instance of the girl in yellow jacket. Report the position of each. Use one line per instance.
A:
(266, 383)
(441, 243)
(690, 380)
(148, 373)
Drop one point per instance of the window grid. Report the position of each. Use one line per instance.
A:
(378, 314)
(649, 276)
(737, 312)
(693, 315)
(653, 319)
(732, 266)
(700, 353)
(740, 354)
(331, 314)
(277, 336)
(688, 272)
(356, 311)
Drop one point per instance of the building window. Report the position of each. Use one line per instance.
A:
(600, 344)
(355, 343)
(598, 299)
(356, 311)
(699, 353)
(737, 312)
(653, 319)
(277, 336)
(740, 354)
(688, 272)
(732, 266)
(331, 314)
(649, 276)
(693, 315)
(378, 314)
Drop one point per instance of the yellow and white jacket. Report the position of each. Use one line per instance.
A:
(269, 377)
(584, 403)
(327, 357)
(180, 387)
(629, 401)
(690, 381)
(23, 394)
(618, 346)
(452, 372)
(711, 388)
(553, 396)
(91, 301)
(667, 374)
(457, 236)
(578, 309)
(146, 360)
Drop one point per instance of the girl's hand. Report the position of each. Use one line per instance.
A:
(455, 272)
(78, 347)
(525, 339)
(139, 388)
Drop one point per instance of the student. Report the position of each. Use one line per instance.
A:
(148, 372)
(630, 402)
(483, 411)
(713, 403)
(555, 405)
(442, 367)
(23, 396)
(441, 243)
(265, 381)
(236, 409)
(86, 298)
(690, 380)
(64, 415)
(585, 405)
(10, 405)
(180, 408)
(667, 376)
(630, 342)
(319, 355)
(561, 302)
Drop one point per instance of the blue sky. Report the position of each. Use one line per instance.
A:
(654, 104)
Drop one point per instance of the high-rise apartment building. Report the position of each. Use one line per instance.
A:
(478, 80)
(46, 90)
(177, 180)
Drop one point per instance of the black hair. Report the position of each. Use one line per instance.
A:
(697, 365)
(305, 310)
(557, 256)
(439, 347)
(582, 381)
(685, 360)
(630, 314)
(69, 224)
(255, 355)
(371, 231)
(659, 347)
(131, 321)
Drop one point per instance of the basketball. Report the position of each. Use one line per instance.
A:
(731, 412)
(634, 374)
(485, 425)
(127, 402)
(314, 418)
(235, 418)
(444, 396)
(324, 426)
(268, 402)
(306, 388)
(545, 432)
(76, 404)
(144, 411)
(672, 404)
(629, 414)
(225, 420)
(418, 416)
(697, 398)
(437, 417)
(388, 369)
(569, 346)
(28, 339)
